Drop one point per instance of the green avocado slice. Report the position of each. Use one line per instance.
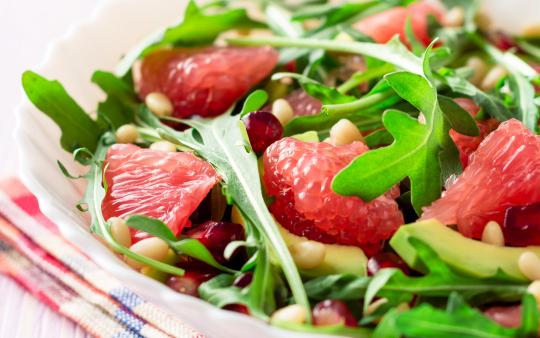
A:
(468, 256)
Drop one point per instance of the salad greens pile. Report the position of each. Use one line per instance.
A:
(404, 97)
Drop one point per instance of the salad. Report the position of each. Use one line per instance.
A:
(365, 169)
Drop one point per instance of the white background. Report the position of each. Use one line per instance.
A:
(26, 28)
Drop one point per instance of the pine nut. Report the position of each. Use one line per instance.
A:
(344, 37)
(479, 69)
(493, 234)
(283, 111)
(345, 132)
(290, 314)
(455, 17)
(375, 305)
(120, 231)
(127, 133)
(152, 247)
(529, 265)
(492, 77)
(531, 31)
(534, 289)
(308, 254)
(164, 146)
(236, 216)
(159, 104)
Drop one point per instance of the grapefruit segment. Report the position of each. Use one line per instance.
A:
(299, 176)
(165, 186)
(203, 81)
(503, 172)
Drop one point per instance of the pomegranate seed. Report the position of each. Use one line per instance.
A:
(188, 283)
(507, 316)
(215, 236)
(385, 260)
(240, 308)
(333, 312)
(521, 225)
(243, 280)
(502, 41)
(263, 129)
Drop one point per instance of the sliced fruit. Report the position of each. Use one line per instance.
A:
(503, 172)
(383, 26)
(203, 81)
(299, 174)
(468, 256)
(156, 184)
(522, 225)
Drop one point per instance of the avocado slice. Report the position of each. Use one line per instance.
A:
(468, 256)
(338, 258)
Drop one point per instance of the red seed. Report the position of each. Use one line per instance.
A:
(215, 236)
(333, 312)
(188, 283)
(263, 129)
(521, 225)
(385, 260)
(243, 280)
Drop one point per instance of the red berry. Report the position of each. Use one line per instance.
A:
(203, 81)
(263, 129)
(384, 260)
(243, 280)
(299, 176)
(522, 225)
(240, 308)
(188, 283)
(333, 312)
(215, 236)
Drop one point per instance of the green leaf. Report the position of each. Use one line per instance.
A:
(220, 291)
(151, 226)
(529, 317)
(195, 249)
(416, 46)
(121, 104)
(379, 138)
(220, 141)
(254, 102)
(335, 330)
(459, 320)
(521, 75)
(387, 328)
(280, 21)
(530, 48)
(78, 129)
(413, 154)
(196, 28)
(376, 284)
(460, 120)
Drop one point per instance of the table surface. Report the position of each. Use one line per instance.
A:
(26, 28)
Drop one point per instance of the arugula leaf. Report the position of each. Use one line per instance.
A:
(121, 104)
(188, 246)
(387, 328)
(378, 138)
(78, 129)
(521, 75)
(279, 21)
(393, 52)
(363, 76)
(254, 102)
(459, 319)
(151, 226)
(530, 48)
(196, 28)
(529, 317)
(413, 154)
(338, 330)
(459, 119)
(416, 46)
(221, 142)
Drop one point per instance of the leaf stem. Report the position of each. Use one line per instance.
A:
(355, 106)
(393, 52)
(363, 76)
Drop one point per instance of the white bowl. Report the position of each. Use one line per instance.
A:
(98, 44)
